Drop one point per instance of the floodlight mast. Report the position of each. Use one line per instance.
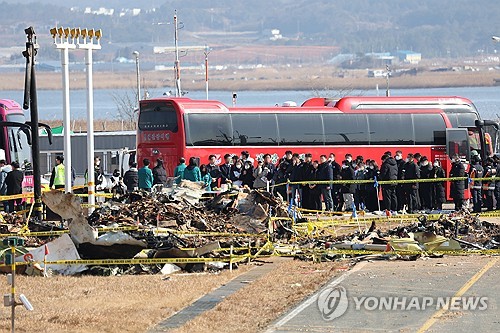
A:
(64, 42)
(91, 41)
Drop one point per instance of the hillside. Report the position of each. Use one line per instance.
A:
(445, 28)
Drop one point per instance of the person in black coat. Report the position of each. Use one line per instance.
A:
(225, 170)
(438, 187)
(315, 189)
(308, 175)
(338, 201)
(400, 192)
(372, 172)
(325, 173)
(236, 170)
(425, 189)
(296, 175)
(458, 186)
(14, 184)
(476, 171)
(347, 189)
(159, 173)
(131, 178)
(411, 171)
(389, 171)
(214, 171)
(246, 175)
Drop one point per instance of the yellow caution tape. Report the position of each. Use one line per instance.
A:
(208, 233)
(137, 261)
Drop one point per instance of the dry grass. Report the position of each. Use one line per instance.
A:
(106, 304)
(255, 306)
(282, 78)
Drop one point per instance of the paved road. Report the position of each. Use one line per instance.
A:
(445, 277)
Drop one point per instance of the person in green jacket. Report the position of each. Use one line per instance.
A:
(206, 178)
(192, 172)
(179, 170)
(145, 176)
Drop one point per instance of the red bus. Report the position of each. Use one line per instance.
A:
(171, 128)
(14, 143)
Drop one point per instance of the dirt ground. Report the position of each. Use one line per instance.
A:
(131, 303)
(137, 303)
(255, 306)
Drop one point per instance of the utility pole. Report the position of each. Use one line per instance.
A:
(387, 75)
(138, 74)
(30, 101)
(207, 51)
(177, 65)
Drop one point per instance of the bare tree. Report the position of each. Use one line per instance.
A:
(126, 106)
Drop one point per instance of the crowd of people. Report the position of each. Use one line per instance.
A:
(243, 170)
(396, 197)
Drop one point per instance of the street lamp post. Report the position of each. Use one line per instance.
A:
(138, 74)
(66, 39)
(64, 42)
(87, 43)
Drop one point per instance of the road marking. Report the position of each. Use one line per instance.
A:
(313, 298)
(431, 321)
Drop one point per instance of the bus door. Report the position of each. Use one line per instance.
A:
(491, 140)
(458, 142)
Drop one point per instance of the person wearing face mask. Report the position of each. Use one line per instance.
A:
(372, 172)
(457, 186)
(308, 175)
(400, 193)
(236, 170)
(389, 171)
(411, 171)
(360, 189)
(439, 195)
(476, 188)
(348, 189)
(315, 189)
(425, 189)
(246, 176)
(296, 176)
(325, 173)
(336, 195)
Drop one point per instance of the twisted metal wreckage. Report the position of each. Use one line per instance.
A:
(178, 228)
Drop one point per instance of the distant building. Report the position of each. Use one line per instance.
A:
(275, 34)
(409, 57)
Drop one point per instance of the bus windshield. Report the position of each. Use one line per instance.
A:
(19, 148)
(158, 116)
